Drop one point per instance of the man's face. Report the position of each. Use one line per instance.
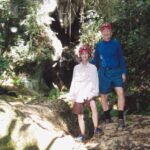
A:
(106, 33)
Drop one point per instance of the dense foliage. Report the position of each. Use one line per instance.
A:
(130, 19)
(22, 39)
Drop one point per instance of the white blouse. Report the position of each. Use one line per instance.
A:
(84, 83)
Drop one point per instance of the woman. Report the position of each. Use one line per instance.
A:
(84, 87)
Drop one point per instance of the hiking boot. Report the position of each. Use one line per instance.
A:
(98, 132)
(80, 138)
(121, 124)
(108, 120)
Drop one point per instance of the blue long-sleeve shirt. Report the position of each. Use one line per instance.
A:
(109, 54)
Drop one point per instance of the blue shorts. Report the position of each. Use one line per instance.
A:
(109, 78)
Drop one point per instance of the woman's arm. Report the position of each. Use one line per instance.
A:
(95, 84)
(71, 94)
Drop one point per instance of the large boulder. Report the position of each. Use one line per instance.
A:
(34, 127)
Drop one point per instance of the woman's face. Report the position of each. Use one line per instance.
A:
(106, 33)
(84, 56)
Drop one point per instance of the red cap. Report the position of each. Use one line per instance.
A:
(85, 48)
(105, 26)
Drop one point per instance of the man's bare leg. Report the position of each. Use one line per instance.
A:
(121, 105)
(105, 107)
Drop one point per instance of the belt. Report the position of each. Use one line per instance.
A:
(109, 68)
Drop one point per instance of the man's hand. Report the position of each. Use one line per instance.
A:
(124, 77)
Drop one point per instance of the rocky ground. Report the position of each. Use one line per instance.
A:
(50, 125)
(136, 135)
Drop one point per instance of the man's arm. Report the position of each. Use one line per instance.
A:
(122, 62)
(95, 59)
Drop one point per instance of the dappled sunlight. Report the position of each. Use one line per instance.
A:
(7, 82)
(56, 43)
(44, 20)
(67, 143)
(32, 128)
(43, 17)
(21, 52)
(37, 126)
(115, 107)
(6, 116)
(39, 47)
(92, 145)
(48, 6)
(13, 29)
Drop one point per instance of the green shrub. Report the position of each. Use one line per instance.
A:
(54, 94)
(4, 63)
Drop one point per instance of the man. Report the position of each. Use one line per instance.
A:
(112, 72)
